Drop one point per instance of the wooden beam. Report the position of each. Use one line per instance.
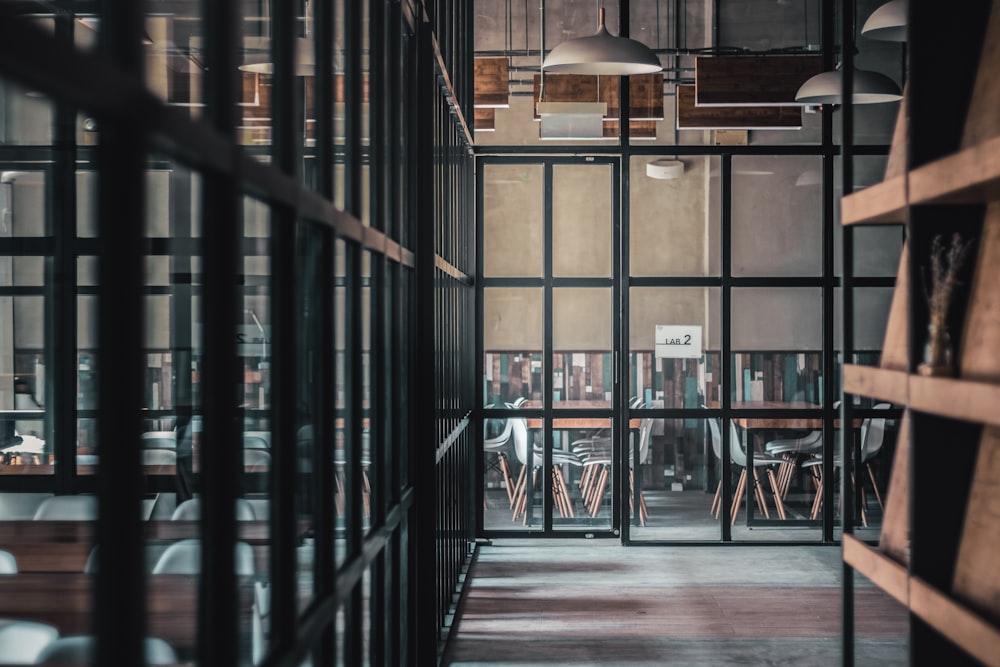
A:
(752, 80)
(692, 117)
(491, 81)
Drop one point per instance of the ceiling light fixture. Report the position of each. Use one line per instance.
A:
(602, 53)
(869, 88)
(888, 22)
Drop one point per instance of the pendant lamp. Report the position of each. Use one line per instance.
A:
(888, 22)
(305, 60)
(602, 53)
(869, 88)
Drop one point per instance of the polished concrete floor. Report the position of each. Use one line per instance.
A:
(593, 602)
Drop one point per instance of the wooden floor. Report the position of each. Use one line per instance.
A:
(589, 602)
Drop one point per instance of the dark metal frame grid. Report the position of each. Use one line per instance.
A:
(828, 281)
(414, 75)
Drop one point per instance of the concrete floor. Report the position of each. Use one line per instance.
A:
(593, 602)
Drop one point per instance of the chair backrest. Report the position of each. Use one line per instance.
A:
(67, 508)
(645, 429)
(256, 457)
(873, 433)
(184, 557)
(499, 440)
(159, 457)
(252, 440)
(79, 649)
(8, 563)
(716, 431)
(190, 510)
(736, 451)
(159, 439)
(17, 505)
(21, 641)
(519, 430)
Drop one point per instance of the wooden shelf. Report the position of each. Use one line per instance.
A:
(956, 621)
(956, 398)
(971, 176)
(882, 570)
(882, 383)
(883, 203)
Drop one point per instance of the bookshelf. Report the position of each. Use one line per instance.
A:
(938, 549)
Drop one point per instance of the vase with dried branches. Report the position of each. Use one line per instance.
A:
(945, 264)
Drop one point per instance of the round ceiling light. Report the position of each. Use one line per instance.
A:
(602, 53)
(888, 22)
(869, 88)
(663, 168)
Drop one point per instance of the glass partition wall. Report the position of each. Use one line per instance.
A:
(214, 275)
(628, 345)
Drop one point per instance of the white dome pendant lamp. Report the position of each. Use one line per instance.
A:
(602, 53)
(869, 88)
(888, 22)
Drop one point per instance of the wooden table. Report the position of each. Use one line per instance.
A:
(584, 423)
(63, 599)
(779, 423)
(64, 546)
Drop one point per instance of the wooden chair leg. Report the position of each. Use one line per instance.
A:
(717, 501)
(518, 487)
(878, 495)
(777, 495)
(559, 487)
(759, 494)
(738, 494)
(508, 479)
(598, 495)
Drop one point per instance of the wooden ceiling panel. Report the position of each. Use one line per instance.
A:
(692, 117)
(645, 93)
(752, 80)
(491, 77)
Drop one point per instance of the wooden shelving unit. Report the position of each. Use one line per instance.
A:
(937, 554)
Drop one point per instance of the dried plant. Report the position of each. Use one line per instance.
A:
(945, 263)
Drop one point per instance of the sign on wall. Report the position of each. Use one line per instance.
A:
(678, 341)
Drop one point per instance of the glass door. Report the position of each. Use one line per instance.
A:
(549, 252)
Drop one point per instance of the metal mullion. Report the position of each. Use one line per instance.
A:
(829, 367)
(353, 381)
(480, 350)
(377, 117)
(352, 107)
(621, 211)
(323, 38)
(61, 287)
(727, 293)
(547, 361)
(181, 319)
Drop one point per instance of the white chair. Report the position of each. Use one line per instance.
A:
(256, 439)
(79, 649)
(21, 641)
(260, 627)
(495, 445)
(67, 508)
(159, 439)
(595, 453)
(560, 493)
(159, 457)
(16, 506)
(184, 557)
(738, 455)
(190, 510)
(256, 459)
(8, 563)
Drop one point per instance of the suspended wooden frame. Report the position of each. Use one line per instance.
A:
(645, 93)
(692, 117)
(491, 81)
(755, 81)
(485, 119)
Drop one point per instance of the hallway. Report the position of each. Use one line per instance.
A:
(567, 602)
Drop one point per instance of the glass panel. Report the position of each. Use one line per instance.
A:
(582, 364)
(86, 204)
(254, 344)
(27, 115)
(513, 498)
(777, 227)
(340, 366)
(678, 471)
(674, 343)
(777, 473)
(367, 291)
(512, 220)
(339, 109)
(512, 345)
(174, 50)
(674, 223)
(86, 391)
(23, 203)
(23, 416)
(871, 313)
(582, 479)
(777, 342)
(582, 219)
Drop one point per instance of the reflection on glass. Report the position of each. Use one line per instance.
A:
(581, 472)
(22, 199)
(513, 497)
